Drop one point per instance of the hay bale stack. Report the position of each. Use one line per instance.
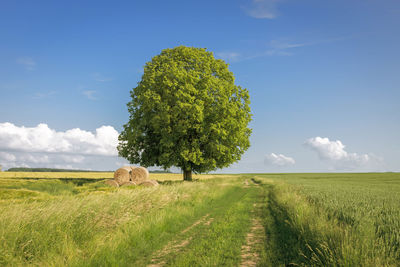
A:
(130, 183)
(139, 174)
(112, 183)
(148, 183)
(123, 175)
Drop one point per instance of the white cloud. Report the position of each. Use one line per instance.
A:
(262, 9)
(90, 94)
(228, 56)
(278, 160)
(43, 139)
(33, 158)
(27, 62)
(274, 48)
(101, 78)
(281, 48)
(40, 95)
(334, 152)
(41, 146)
(6, 157)
(72, 158)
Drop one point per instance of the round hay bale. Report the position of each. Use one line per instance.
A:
(154, 182)
(112, 183)
(140, 174)
(147, 183)
(123, 175)
(130, 183)
(132, 168)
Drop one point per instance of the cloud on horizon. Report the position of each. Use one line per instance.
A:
(41, 146)
(335, 154)
(278, 160)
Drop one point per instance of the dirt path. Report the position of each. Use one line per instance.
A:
(250, 251)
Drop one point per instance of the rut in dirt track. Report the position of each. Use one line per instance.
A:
(176, 246)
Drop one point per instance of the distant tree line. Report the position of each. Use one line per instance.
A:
(160, 171)
(23, 169)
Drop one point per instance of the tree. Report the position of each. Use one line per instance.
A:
(186, 112)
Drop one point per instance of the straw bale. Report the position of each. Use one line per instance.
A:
(154, 182)
(140, 174)
(112, 183)
(147, 183)
(132, 168)
(130, 183)
(123, 175)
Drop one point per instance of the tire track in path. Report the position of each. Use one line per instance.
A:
(177, 245)
(250, 256)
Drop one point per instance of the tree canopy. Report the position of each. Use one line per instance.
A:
(186, 112)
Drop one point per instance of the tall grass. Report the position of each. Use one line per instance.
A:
(95, 227)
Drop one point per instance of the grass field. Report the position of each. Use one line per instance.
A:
(217, 220)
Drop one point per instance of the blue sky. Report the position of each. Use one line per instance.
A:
(323, 77)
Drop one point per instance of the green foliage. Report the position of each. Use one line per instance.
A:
(186, 112)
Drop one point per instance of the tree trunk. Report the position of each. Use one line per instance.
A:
(187, 175)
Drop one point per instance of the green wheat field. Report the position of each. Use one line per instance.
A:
(74, 219)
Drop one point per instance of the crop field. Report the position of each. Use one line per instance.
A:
(74, 219)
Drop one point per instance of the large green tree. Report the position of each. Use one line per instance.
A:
(186, 112)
